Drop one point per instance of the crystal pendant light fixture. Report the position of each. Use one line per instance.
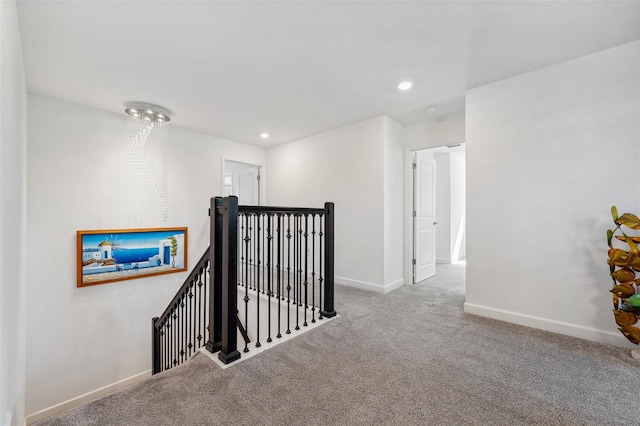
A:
(145, 149)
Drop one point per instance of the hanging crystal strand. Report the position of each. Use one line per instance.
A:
(149, 165)
(162, 170)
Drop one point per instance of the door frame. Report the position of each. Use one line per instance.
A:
(408, 203)
(261, 169)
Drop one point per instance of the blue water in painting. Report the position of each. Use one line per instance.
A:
(134, 255)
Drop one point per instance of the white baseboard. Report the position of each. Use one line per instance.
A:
(363, 285)
(443, 260)
(587, 333)
(89, 396)
(394, 285)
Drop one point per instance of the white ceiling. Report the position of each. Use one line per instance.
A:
(235, 69)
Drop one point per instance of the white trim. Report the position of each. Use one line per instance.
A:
(409, 196)
(364, 285)
(89, 396)
(265, 345)
(262, 170)
(443, 260)
(394, 285)
(554, 326)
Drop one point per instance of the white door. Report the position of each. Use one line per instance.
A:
(424, 223)
(243, 181)
(248, 189)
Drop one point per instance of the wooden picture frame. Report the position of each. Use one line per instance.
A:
(105, 256)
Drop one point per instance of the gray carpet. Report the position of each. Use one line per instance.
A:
(409, 357)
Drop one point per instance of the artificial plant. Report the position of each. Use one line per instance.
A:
(174, 250)
(623, 265)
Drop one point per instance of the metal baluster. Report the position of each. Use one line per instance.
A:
(265, 241)
(258, 344)
(182, 327)
(313, 268)
(187, 321)
(296, 254)
(160, 347)
(321, 266)
(186, 324)
(278, 271)
(167, 361)
(175, 335)
(269, 241)
(306, 266)
(288, 273)
(242, 219)
(167, 343)
(192, 319)
(199, 292)
(251, 250)
(247, 239)
(294, 274)
(205, 302)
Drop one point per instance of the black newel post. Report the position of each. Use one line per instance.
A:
(214, 344)
(229, 351)
(155, 345)
(328, 309)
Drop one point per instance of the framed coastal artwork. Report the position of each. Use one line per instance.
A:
(105, 256)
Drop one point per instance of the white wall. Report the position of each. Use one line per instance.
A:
(346, 166)
(457, 242)
(443, 206)
(548, 153)
(81, 339)
(435, 132)
(13, 137)
(393, 153)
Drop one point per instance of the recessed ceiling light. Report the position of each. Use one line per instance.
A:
(405, 85)
(264, 135)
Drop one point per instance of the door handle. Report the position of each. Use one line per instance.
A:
(435, 223)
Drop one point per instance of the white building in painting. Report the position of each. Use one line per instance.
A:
(103, 252)
(164, 250)
(91, 253)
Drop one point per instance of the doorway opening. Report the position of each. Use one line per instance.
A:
(439, 213)
(243, 181)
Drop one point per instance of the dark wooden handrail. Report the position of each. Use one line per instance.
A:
(195, 271)
(270, 209)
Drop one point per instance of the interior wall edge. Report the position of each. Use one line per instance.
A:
(81, 399)
(546, 324)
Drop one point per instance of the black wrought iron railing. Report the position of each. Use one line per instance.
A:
(183, 327)
(280, 260)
